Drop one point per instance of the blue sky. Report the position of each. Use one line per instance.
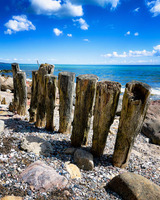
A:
(74, 32)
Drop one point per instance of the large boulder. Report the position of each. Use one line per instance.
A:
(83, 159)
(6, 83)
(43, 177)
(37, 145)
(151, 125)
(132, 186)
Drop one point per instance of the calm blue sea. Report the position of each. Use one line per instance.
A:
(149, 74)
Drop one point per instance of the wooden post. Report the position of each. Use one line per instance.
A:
(50, 87)
(34, 94)
(22, 93)
(85, 94)
(41, 111)
(66, 90)
(15, 69)
(134, 107)
(107, 95)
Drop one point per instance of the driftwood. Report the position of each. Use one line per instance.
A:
(85, 94)
(41, 110)
(107, 95)
(34, 94)
(66, 90)
(15, 69)
(22, 93)
(134, 106)
(50, 87)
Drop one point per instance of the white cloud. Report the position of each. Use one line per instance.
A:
(128, 33)
(144, 53)
(19, 23)
(157, 47)
(136, 10)
(115, 55)
(156, 50)
(86, 40)
(69, 35)
(57, 32)
(58, 8)
(136, 34)
(82, 22)
(140, 53)
(102, 3)
(154, 7)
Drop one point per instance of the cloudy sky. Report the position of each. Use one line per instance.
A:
(74, 32)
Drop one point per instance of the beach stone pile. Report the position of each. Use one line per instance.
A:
(82, 184)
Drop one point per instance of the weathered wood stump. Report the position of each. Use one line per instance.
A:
(41, 110)
(66, 90)
(50, 85)
(15, 69)
(85, 95)
(107, 95)
(22, 93)
(34, 94)
(134, 106)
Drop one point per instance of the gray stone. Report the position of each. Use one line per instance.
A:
(6, 83)
(43, 177)
(84, 159)
(37, 145)
(151, 125)
(70, 150)
(1, 126)
(132, 186)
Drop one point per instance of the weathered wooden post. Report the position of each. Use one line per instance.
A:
(34, 94)
(22, 93)
(134, 106)
(107, 95)
(41, 110)
(66, 90)
(85, 94)
(15, 69)
(50, 87)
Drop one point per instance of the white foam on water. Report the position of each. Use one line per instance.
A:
(155, 91)
(122, 89)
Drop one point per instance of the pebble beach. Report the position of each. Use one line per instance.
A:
(144, 160)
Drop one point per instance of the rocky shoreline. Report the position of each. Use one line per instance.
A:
(145, 160)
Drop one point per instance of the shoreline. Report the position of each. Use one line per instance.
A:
(155, 92)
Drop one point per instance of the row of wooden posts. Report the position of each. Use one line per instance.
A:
(92, 98)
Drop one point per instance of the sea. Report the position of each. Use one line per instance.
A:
(123, 74)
